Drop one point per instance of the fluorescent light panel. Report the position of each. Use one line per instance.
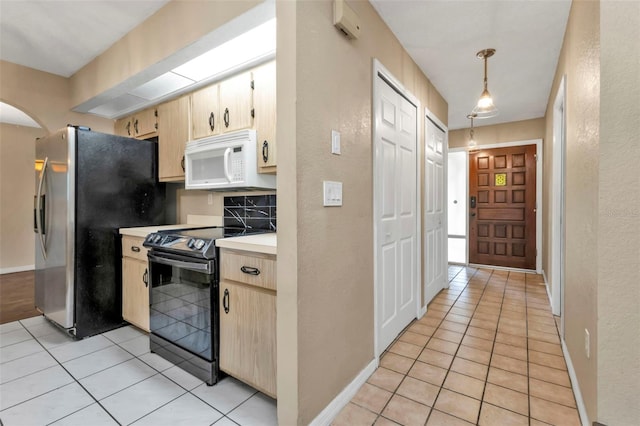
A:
(124, 102)
(161, 86)
(253, 44)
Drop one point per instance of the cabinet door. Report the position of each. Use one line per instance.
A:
(135, 292)
(205, 117)
(236, 102)
(145, 122)
(173, 134)
(248, 335)
(123, 127)
(264, 104)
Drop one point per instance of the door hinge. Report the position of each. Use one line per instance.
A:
(252, 84)
(253, 113)
(535, 156)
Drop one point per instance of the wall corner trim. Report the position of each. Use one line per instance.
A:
(582, 409)
(330, 412)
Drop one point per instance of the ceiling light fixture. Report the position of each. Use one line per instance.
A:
(485, 107)
(472, 141)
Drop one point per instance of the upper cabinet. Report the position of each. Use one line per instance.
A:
(205, 112)
(173, 134)
(222, 107)
(141, 125)
(236, 95)
(244, 101)
(264, 104)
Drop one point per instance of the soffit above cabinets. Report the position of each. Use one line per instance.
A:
(61, 37)
(240, 44)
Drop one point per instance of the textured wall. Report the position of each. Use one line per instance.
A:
(17, 154)
(508, 132)
(580, 62)
(44, 97)
(329, 280)
(619, 215)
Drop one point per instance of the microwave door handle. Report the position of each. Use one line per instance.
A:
(39, 218)
(227, 156)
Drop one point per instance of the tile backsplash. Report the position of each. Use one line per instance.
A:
(251, 211)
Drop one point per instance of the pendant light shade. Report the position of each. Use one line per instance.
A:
(472, 141)
(485, 107)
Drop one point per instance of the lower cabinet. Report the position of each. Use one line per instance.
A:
(248, 322)
(135, 283)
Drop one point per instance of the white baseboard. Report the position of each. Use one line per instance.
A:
(422, 311)
(17, 269)
(330, 412)
(546, 285)
(582, 409)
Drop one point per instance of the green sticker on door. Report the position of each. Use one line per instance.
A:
(501, 179)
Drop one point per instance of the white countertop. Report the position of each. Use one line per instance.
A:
(143, 231)
(259, 243)
(194, 221)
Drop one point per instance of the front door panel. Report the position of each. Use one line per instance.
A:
(502, 224)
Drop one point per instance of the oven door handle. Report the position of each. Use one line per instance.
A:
(203, 267)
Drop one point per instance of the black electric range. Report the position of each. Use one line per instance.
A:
(184, 297)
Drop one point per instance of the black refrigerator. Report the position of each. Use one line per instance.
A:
(87, 185)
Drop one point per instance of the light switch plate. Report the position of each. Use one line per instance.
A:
(332, 193)
(335, 142)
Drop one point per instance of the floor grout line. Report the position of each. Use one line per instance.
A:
(509, 289)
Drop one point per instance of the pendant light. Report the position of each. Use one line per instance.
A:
(485, 107)
(472, 141)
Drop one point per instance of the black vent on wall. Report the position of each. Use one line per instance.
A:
(254, 212)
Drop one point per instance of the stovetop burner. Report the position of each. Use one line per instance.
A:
(194, 242)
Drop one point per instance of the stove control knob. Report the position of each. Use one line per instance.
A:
(198, 244)
(190, 243)
(157, 238)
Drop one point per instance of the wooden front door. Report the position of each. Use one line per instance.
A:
(502, 207)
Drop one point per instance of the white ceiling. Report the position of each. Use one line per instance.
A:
(442, 36)
(62, 36)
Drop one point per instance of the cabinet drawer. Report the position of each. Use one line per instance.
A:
(252, 269)
(132, 247)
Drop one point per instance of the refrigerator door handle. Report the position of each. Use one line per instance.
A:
(39, 218)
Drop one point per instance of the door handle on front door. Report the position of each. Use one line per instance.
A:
(472, 202)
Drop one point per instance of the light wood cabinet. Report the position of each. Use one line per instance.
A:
(173, 134)
(236, 99)
(141, 125)
(135, 282)
(205, 112)
(248, 318)
(264, 104)
(222, 107)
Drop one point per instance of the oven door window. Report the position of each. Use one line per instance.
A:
(180, 307)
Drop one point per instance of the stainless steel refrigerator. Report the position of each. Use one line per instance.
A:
(89, 184)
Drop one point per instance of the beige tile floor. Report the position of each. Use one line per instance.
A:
(487, 352)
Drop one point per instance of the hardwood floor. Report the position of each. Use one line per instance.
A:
(17, 293)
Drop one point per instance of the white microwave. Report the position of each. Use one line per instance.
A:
(225, 162)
